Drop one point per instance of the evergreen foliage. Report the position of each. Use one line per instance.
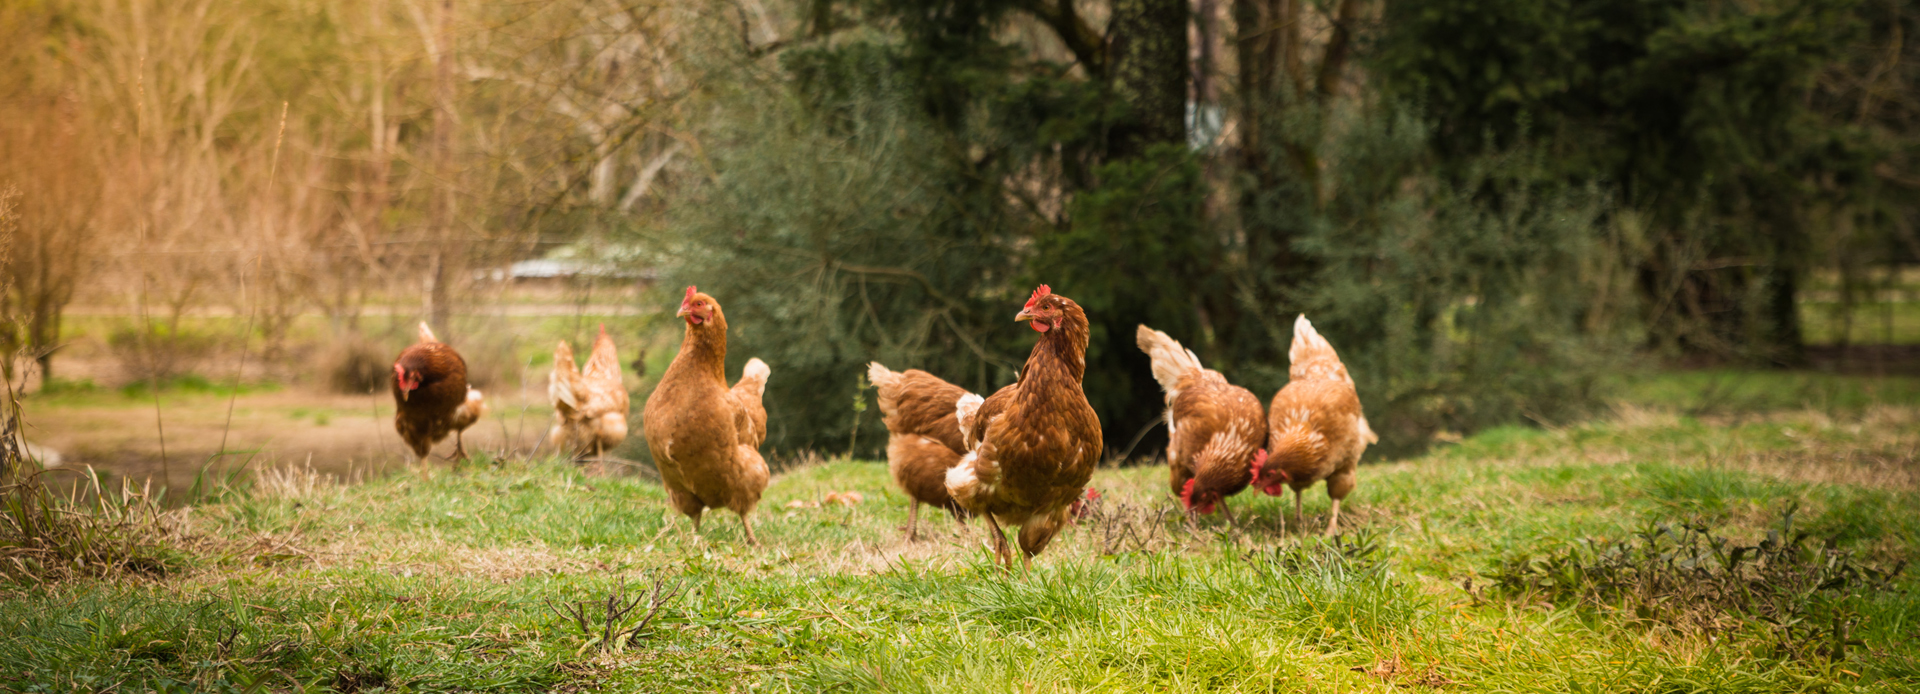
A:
(1483, 203)
(836, 231)
(1697, 113)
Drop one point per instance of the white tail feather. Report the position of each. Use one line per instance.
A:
(965, 408)
(1171, 361)
(426, 334)
(964, 483)
(1307, 341)
(756, 374)
(880, 375)
(888, 382)
(470, 411)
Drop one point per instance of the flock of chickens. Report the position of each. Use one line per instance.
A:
(1021, 457)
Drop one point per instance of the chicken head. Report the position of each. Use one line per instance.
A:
(697, 308)
(1042, 308)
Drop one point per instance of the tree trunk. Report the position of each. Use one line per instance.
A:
(1148, 72)
(1788, 347)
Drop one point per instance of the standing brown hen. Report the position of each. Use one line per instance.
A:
(923, 436)
(1315, 429)
(705, 437)
(1215, 429)
(589, 406)
(431, 397)
(1033, 445)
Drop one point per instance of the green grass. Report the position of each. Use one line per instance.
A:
(1734, 391)
(1895, 323)
(439, 579)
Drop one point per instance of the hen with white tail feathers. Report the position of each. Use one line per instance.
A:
(1215, 430)
(431, 397)
(705, 437)
(1315, 428)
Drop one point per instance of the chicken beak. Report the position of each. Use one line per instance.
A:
(1023, 316)
(683, 312)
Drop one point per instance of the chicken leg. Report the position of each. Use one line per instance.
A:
(1001, 556)
(1298, 521)
(1228, 511)
(744, 523)
(913, 519)
(459, 448)
(1333, 523)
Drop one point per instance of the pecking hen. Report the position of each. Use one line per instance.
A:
(706, 437)
(1032, 446)
(1215, 429)
(1315, 429)
(431, 397)
(589, 406)
(923, 436)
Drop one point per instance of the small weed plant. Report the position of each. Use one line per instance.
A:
(1687, 577)
(92, 531)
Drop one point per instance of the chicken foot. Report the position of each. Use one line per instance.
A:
(459, 449)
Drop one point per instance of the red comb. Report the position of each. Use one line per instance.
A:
(690, 291)
(1039, 294)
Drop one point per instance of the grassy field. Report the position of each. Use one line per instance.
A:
(449, 578)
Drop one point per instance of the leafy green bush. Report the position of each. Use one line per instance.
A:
(1459, 300)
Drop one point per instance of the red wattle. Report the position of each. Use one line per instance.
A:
(1039, 327)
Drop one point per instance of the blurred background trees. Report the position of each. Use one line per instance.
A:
(1488, 205)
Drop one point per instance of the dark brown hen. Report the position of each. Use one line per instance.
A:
(431, 396)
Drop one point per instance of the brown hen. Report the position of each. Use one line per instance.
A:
(1215, 429)
(589, 406)
(431, 397)
(1315, 429)
(923, 436)
(1032, 446)
(705, 437)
